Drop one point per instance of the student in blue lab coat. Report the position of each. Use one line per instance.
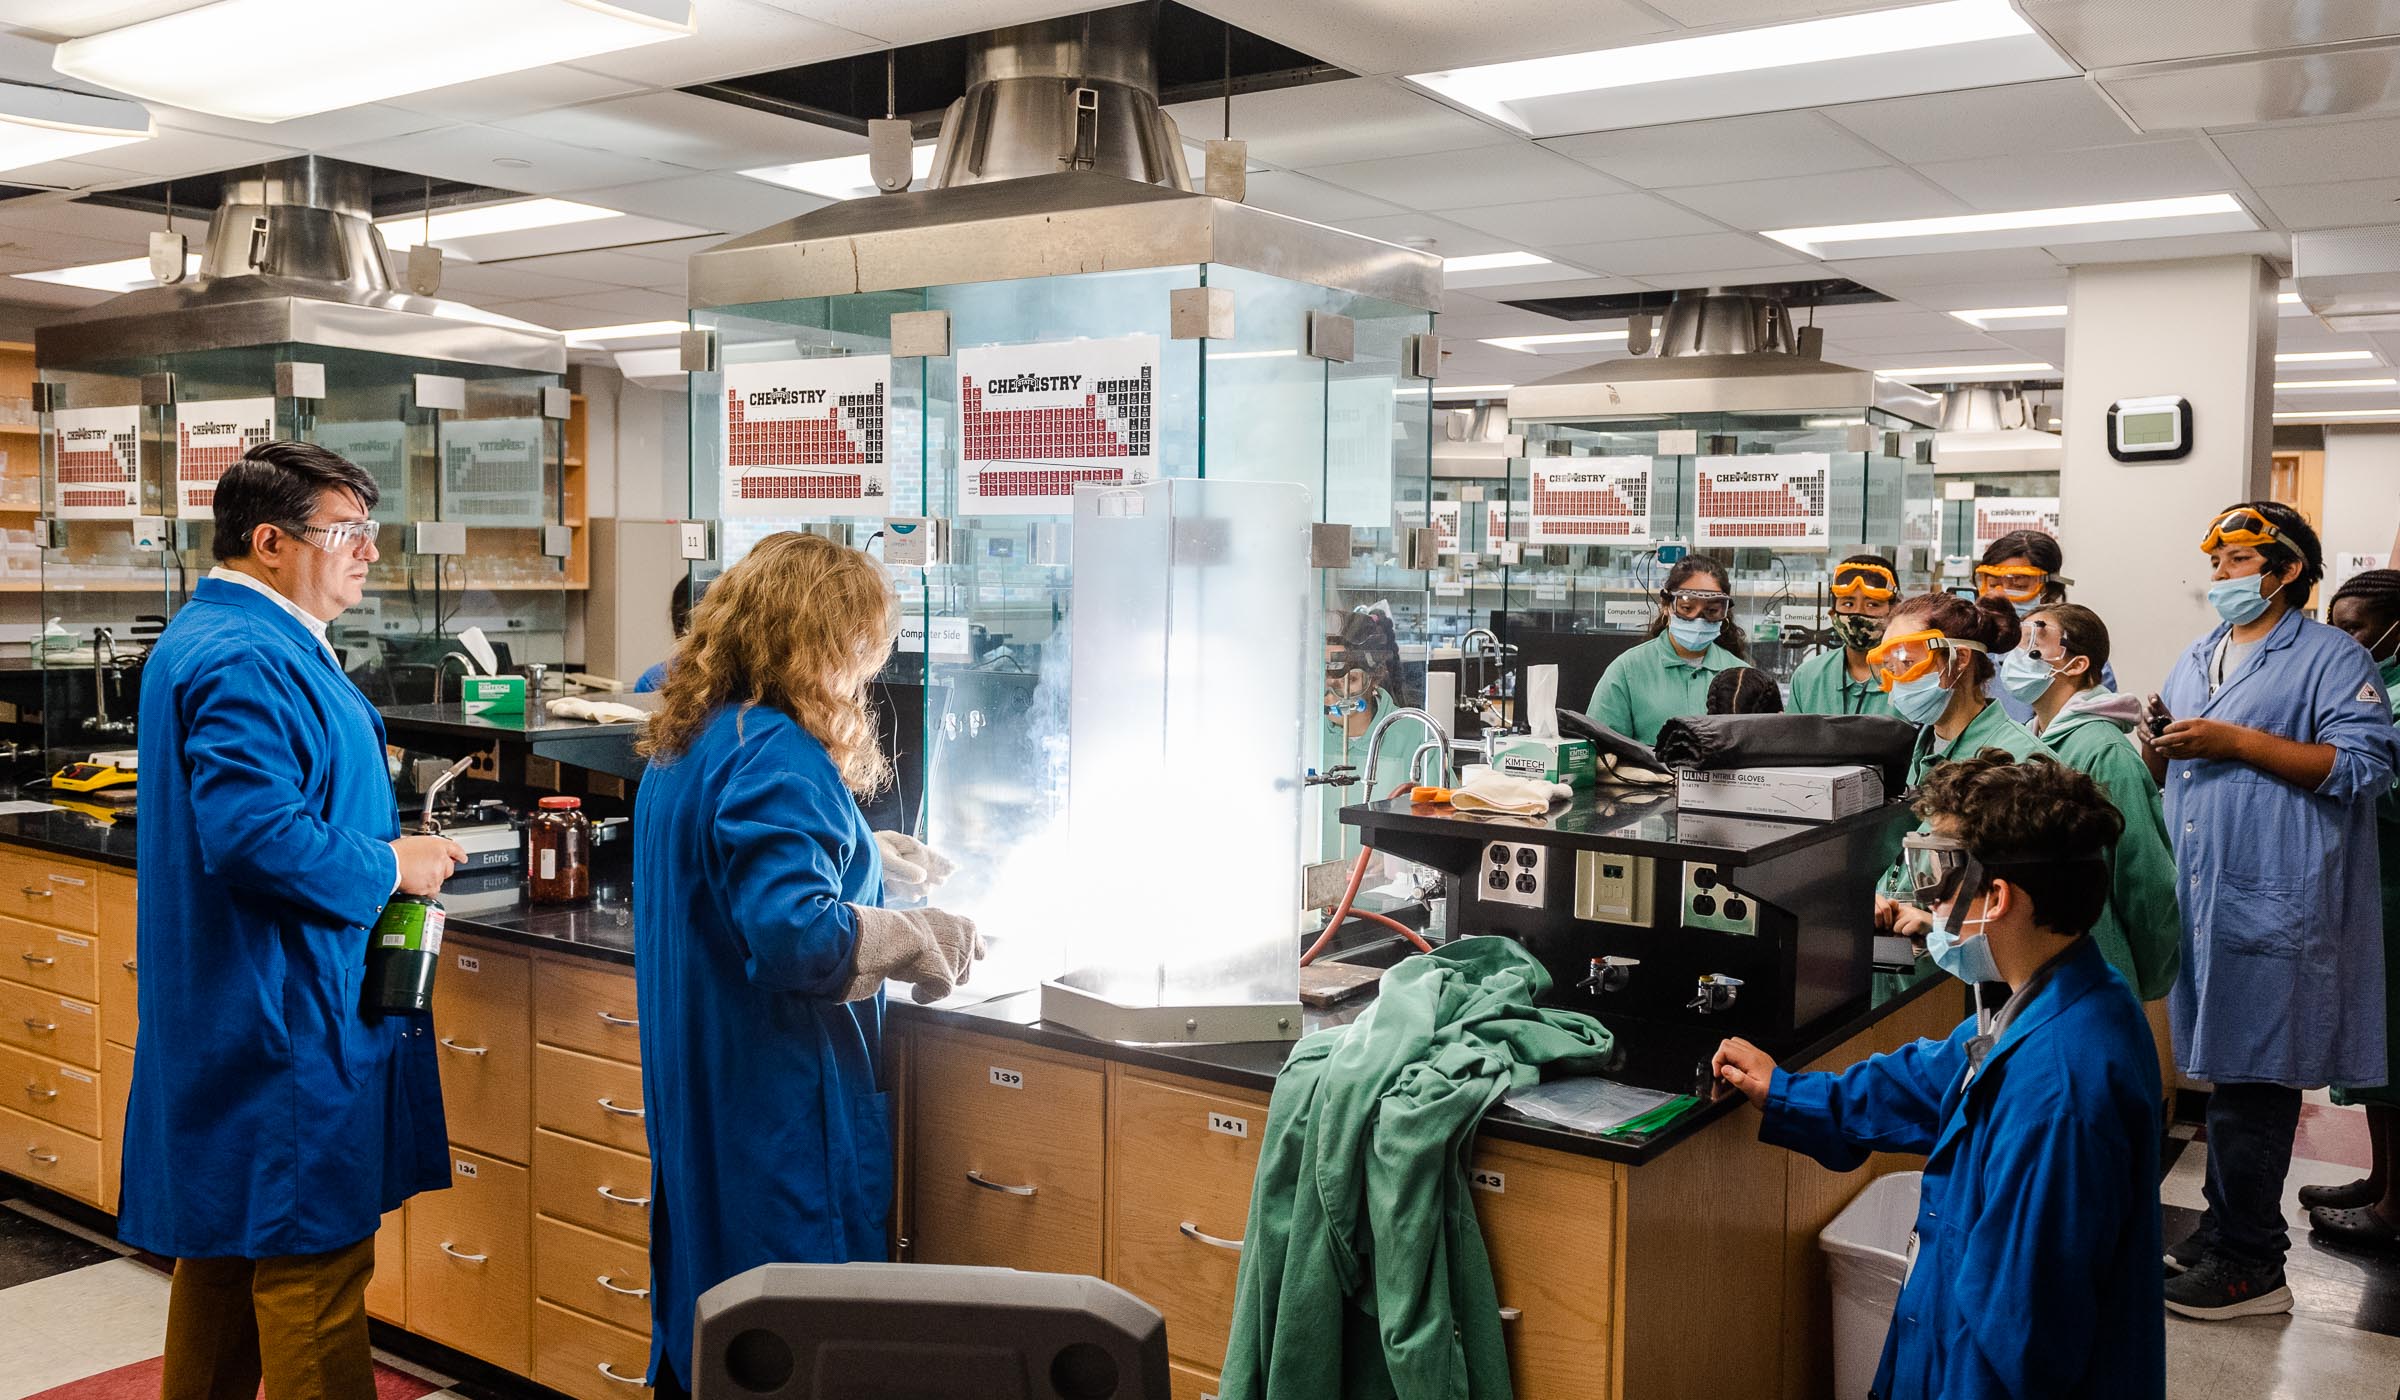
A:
(2281, 746)
(679, 612)
(760, 942)
(271, 1122)
(2034, 1272)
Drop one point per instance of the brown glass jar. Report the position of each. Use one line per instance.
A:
(558, 852)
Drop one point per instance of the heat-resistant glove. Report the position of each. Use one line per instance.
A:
(929, 948)
(1490, 791)
(912, 870)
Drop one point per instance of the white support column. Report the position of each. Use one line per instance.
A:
(2204, 329)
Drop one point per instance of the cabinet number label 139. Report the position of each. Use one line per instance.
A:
(1229, 1125)
(1008, 1078)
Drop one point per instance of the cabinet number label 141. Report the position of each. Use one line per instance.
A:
(1229, 1125)
(1008, 1078)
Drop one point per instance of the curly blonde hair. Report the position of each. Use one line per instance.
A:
(800, 625)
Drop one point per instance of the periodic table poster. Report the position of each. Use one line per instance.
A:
(1777, 500)
(1590, 500)
(2000, 515)
(381, 448)
(492, 471)
(211, 435)
(1037, 421)
(99, 462)
(807, 437)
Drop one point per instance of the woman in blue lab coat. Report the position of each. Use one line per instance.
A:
(760, 942)
(2034, 1260)
(2280, 746)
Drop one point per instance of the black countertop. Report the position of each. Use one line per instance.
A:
(67, 833)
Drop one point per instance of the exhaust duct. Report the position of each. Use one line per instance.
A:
(1078, 93)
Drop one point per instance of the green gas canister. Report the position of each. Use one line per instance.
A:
(406, 944)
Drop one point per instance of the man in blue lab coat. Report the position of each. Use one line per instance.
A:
(2033, 1269)
(271, 1121)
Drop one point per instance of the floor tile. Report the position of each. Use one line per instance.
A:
(31, 1249)
(68, 1326)
(2299, 1357)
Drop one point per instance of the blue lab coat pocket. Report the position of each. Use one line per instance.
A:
(2259, 916)
(869, 1171)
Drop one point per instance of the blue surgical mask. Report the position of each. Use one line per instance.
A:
(2026, 676)
(1922, 700)
(1693, 633)
(1967, 959)
(2240, 600)
(2028, 609)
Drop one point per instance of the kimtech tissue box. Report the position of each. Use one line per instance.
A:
(1571, 761)
(1781, 794)
(492, 695)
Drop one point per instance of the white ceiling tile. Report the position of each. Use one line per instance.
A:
(2020, 119)
(2145, 170)
(73, 219)
(605, 269)
(1701, 13)
(511, 282)
(679, 251)
(734, 37)
(1964, 340)
(2340, 204)
(1449, 239)
(1469, 179)
(2110, 33)
(1555, 287)
(1609, 218)
(1683, 278)
(469, 153)
(726, 202)
(72, 19)
(540, 313)
(1974, 296)
(1847, 196)
(1935, 269)
(893, 22)
(1303, 198)
(68, 175)
(1705, 252)
(2314, 152)
(627, 304)
(2050, 345)
(681, 129)
(513, 94)
(51, 294)
(322, 132)
(172, 152)
(1881, 320)
(2267, 244)
(1391, 36)
(1332, 123)
(1733, 148)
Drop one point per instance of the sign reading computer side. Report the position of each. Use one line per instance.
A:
(2157, 429)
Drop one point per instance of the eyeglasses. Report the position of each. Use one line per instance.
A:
(1698, 605)
(342, 536)
(1865, 581)
(2240, 527)
(1898, 661)
(2015, 583)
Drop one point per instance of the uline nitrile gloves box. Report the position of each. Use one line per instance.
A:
(1784, 794)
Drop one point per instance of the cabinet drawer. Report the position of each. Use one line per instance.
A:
(586, 1359)
(470, 1261)
(583, 1006)
(592, 1273)
(387, 1289)
(1009, 1160)
(587, 1097)
(486, 1049)
(50, 1091)
(49, 1025)
(120, 1009)
(49, 890)
(1183, 1155)
(1190, 1382)
(49, 958)
(600, 1187)
(116, 1086)
(49, 1154)
(1551, 1229)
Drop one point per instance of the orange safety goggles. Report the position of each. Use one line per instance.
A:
(2241, 527)
(1864, 581)
(1891, 668)
(2015, 583)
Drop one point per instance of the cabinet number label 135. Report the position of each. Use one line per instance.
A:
(1008, 1078)
(1229, 1125)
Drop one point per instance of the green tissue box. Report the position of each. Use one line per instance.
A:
(1571, 761)
(493, 695)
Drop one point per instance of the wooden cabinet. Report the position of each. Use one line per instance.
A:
(55, 890)
(1009, 1154)
(120, 1008)
(590, 1185)
(587, 1359)
(50, 1091)
(47, 1024)
(116, 1086)
(587, 1097)
(51, 959)
(1551, 1224)
(387, 1290)
(606, 1277)
(50, 1155)
(587, 1007)
(486, 1042)
(1182, 1156)
(1189, 1382)
(470, 1261)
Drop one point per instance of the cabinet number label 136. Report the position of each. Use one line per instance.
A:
(1008, 1078)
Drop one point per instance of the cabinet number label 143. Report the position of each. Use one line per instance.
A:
(1483, 1180)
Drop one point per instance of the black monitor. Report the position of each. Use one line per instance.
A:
(1580, 657)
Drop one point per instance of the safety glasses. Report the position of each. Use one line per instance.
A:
(2044, 641)
(1931, 866)
(2015, 583)
(1913, 654)
(2240, 527)
(1698, 605)
(341, 537)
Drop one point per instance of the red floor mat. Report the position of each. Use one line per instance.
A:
(139, 1381)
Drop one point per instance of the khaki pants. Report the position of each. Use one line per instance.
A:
(299, 1323)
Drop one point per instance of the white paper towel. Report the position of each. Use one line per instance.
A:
(1541, 701)
(1441, 697)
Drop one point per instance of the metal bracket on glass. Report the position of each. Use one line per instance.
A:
(916, 542)
(441, 391)
(441, 537)
(558, 541)
(299, 379)
(920, 333)
(891, 153)
(1924, 451)
(1678, 442)
(1332, 336)
(425, 270)
(1812, 343)
(158, 388)
(699, 350)
(1421, 548)
(1723, 444)
(47, 397)
(1227, 173)
(49, 532)
(167, 257)
(557, 402)
(1329, 546)
(1858, 437)
(692, 539)
(1200, 313)
(1421, 357)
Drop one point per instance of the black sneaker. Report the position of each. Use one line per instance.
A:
(2190, 1250)
(2349, 1196)
(2218, 1288)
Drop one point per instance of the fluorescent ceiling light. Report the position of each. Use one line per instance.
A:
(2287, 298)
(1486, 262)
(2323, 357)
(1833, 422)
(654, 367)
(1254, 355)
(272, 60)
(1526, 344)
(633, 330)
(839, 177)
(1845, 58)
(2022, 228)
(39, 124)
(479, 221)
(1989, 314)
(123, 275)
(2336, 383)
(1935, 374)
(2314, 415)
(1450, 391)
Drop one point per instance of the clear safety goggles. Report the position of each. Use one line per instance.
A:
(1912, 654)
(2044, 641)
(1865, 581)
(1698, 604)
(1930, 867)
(2240, 527)
(2014, 583)
(341, 537)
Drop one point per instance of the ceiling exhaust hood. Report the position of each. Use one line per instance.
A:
(1996, 427)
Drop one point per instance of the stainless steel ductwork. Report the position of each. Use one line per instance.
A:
(1985, 408)
(307, 218)
(1078, 93)
(1714, 322)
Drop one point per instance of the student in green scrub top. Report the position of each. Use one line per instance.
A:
(1935, 662)
(2056, 671)
(1839, 681)
(2367, 1211)
(1363, 681)
(1693, 637)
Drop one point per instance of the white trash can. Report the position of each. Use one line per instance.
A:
(1866, 1252)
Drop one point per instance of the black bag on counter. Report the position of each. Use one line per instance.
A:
(1629, 753)
(1791, 741)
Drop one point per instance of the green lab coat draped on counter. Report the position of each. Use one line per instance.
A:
(1363, 1268)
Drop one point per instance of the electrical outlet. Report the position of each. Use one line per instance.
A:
(1614, 888)
(1710, 903)
(1511, 873)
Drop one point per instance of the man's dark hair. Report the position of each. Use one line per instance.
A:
(2043, 827)
(277, 483)
(2305, 549)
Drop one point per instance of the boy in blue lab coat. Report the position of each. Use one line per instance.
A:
(271, 1122)
(2033, 1269)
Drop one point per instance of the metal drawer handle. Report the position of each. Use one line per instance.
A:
(463, 1258)
(1195, 1234)
(605, 1282)
(32, 893)
(40, 1094)
(40, 1027)
(448, 1044)
(608, 1195)
(978, 1178)
(617, 1020)
(611, 1106)
(47, 1159)
(621, 1380)
(38, 962)
(1511, 1314)
(129, 967)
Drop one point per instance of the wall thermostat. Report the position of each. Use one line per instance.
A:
(2150, 430)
